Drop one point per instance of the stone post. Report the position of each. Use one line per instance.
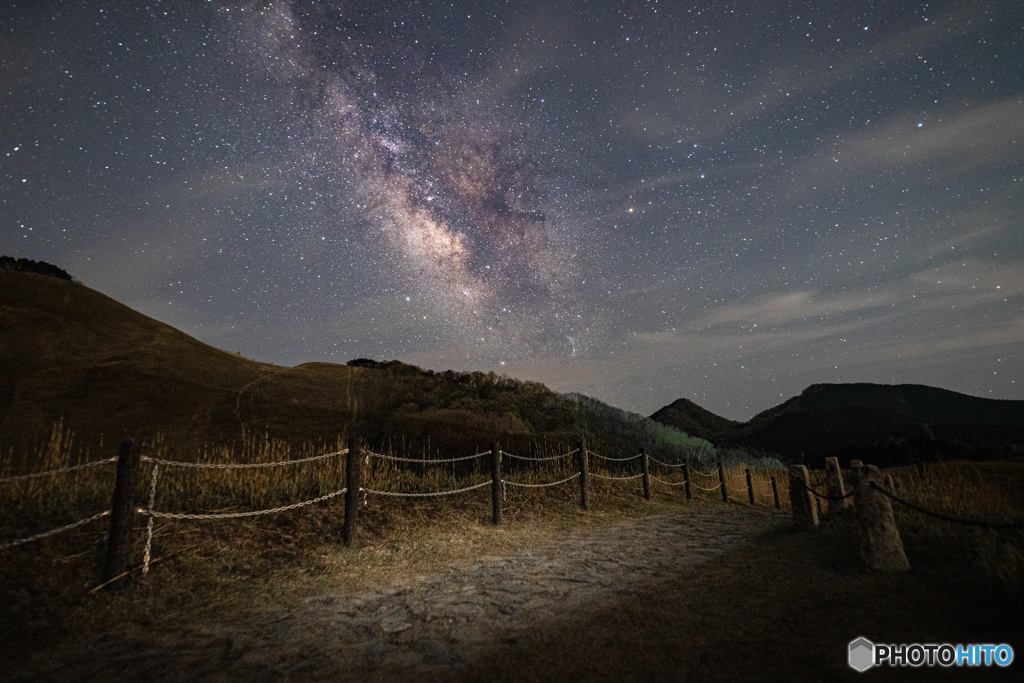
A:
(805, 512)
(834, 487)
(880, 544)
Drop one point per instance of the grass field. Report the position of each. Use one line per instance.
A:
(801, 595)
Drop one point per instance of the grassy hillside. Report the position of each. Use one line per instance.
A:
(71, 352)
(106, 372)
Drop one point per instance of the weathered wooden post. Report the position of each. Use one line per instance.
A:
(645, 463)
(122, 511)
(834, 488)
(353, 466)
(686, 480)
(496, 483)
(775, 493)
(880, 544)
(805, 514)
(721, 480)
(750, 487)
(584, 475)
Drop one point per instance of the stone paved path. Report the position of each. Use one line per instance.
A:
(429, 625)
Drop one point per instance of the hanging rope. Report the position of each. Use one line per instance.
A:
(236, 466)
(50, 473)
(421, 461)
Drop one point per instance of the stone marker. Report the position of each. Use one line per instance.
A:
(880, 544)
(805, 512)
(834, 487)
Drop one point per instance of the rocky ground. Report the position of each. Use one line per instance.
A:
(530, 614)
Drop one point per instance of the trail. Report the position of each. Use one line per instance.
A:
(487, 613)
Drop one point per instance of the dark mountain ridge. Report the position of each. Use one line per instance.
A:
(687, 416)
(879, 423)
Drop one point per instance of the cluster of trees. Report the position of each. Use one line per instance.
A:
(29, 266)
(420, 411)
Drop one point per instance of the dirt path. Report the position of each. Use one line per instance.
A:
(447, 624)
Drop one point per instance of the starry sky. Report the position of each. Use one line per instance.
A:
(640, 201)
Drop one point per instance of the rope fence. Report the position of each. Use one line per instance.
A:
(665, 464)
(54, 532)
(601, 476)
(827, 497)
(948, 518)
(428, 494)
(51, 473)
(67, 527)
(803, 492)
(712, 473)
(238, 515)
(357, 458)
(669, 483)
(237, 466)
(873, 493)
(541, 486)
(422, 461)
(605, 457)
(543, 459)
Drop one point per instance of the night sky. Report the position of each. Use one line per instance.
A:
(640, 201)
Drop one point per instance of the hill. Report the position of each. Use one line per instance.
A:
(105, 372)
(72, 353)
(687, 416)
(882, 424)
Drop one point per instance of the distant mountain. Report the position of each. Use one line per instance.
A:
(106, 372)
(884, 424)
(687, 416)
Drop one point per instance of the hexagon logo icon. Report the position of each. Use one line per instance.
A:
(862, 654)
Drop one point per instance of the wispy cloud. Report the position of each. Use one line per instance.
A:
(974, 137)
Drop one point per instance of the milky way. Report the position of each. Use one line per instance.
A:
(451, 192)
(638, 200)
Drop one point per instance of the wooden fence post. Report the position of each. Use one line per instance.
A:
(721, 480)
(750, 487)
(496, 483)
(645, 463)
(686, 480)
(805, 514)
(584, 475)
(775, 493)
(122, 511)
(353, 466)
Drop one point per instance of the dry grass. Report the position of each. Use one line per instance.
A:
(234, 566)
(209, 566)
(974, 491)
